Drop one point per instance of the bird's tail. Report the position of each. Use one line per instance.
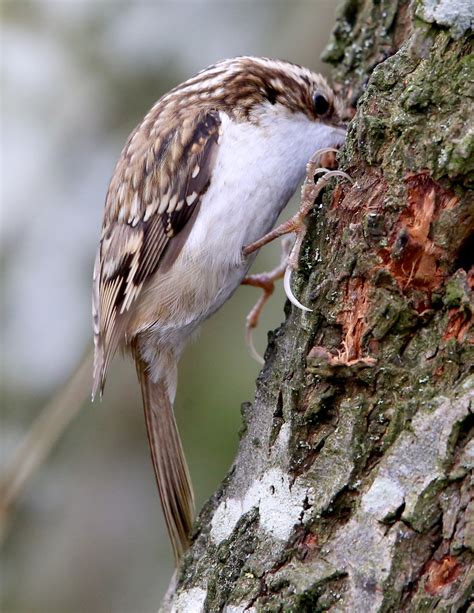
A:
(169, 463)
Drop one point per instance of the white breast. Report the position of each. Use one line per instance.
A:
(257, 170)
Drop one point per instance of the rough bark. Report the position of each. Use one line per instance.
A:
(352, 488)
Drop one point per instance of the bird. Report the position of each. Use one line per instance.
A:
(205, 174)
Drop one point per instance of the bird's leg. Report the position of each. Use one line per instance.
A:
(266, 281)
(296, 223)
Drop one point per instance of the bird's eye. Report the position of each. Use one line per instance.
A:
(320, 104)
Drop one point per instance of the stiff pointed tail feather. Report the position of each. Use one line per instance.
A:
(169, 463)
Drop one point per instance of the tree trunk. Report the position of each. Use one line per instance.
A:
(351, 487)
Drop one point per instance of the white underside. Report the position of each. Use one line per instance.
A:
(257, 170)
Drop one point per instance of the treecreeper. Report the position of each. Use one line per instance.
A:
(195, 193)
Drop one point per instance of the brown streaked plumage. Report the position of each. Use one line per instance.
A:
(146, 206)
(207, 171)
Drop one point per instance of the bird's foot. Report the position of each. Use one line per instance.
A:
(266, 281)
(297, 223)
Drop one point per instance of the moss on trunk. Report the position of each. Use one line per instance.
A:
(352, 487)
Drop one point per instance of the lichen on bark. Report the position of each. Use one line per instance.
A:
(352, 488)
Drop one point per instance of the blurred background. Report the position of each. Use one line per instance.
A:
(86, 534)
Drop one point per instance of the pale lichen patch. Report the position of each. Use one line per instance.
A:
(189, 601)
(280, 506)
(225, 519)
(455, 14)
(383, 498)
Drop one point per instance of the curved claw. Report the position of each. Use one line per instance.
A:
(251, 347)
(320, 171)
(333, 173)
(289, 292)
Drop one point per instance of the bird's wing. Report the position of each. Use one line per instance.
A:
(157, 185)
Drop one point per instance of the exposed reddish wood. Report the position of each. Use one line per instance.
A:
(412, 257)
(441, 573)
(353, 321)
(458, 325)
